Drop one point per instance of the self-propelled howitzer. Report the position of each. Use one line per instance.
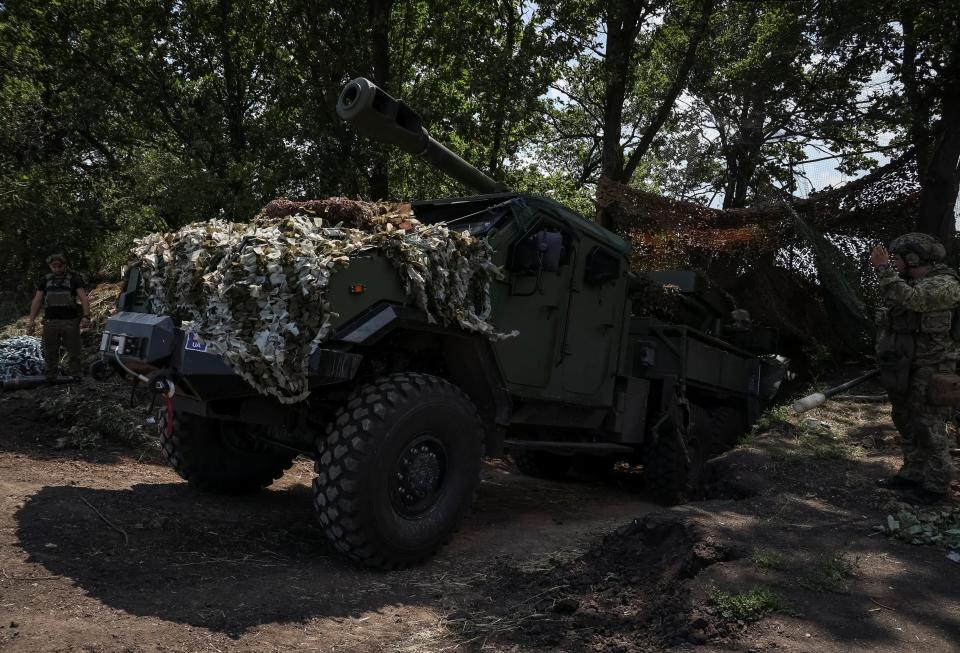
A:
(402, 408)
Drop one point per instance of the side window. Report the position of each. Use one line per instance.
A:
(602, 266)
(543, 250)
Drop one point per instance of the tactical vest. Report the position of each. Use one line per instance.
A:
(903, 321)
(58, 292)
(896, 344)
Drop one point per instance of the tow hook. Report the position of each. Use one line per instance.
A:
(162, 384)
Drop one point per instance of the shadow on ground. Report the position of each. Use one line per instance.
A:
(229, 564)
(223, 563)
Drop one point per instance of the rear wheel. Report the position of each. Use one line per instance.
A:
(673, 470)
(397, 469)
(727, 424)
(219, 456)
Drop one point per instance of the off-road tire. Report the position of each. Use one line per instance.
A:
(397, 469)
(542, 464)
(668, 475)
(727, 425)
(219, 456)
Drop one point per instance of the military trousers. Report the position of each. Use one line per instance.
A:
(55, 334)
(923, 433)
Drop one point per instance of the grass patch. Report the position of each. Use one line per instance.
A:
(752, 605)
(93, 414)
(818, 440)
(769, 559)
(772, 418)
(830, 573)
(13, 314)
(826, 446)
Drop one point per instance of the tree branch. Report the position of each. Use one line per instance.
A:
(679, 83)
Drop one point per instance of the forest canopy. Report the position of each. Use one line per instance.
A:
(123, 117)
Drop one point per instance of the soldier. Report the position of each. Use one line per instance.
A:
(57, 293)
(914, 341)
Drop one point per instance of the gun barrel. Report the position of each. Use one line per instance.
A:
(380, 117)
(817, 398)
(31, 382)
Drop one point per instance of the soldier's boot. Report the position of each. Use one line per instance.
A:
(922, 497)
(897, 482)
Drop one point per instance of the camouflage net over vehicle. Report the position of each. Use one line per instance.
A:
(796, 264)
(256, 294)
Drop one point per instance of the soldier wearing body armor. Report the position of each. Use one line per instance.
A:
(915, 340)
(57, 294)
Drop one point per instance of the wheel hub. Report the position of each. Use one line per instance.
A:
(419, 476)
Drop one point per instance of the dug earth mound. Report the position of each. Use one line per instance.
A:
(791, 550)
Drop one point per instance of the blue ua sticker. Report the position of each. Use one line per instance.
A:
(193, 343)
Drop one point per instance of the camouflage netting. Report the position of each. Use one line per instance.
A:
(20, 356)
(256, 294)
(796, 264)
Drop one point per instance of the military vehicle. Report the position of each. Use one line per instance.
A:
(403, 410)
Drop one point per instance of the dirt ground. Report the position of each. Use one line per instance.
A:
(104, 548)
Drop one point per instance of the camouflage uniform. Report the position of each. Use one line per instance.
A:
(926, 306)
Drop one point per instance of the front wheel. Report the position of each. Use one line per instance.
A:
(397, 469)
(220, 456)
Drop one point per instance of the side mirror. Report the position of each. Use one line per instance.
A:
(550, 246)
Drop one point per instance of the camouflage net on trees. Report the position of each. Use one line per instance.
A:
(256, 294)
(797, 264)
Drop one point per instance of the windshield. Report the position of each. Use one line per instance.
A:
(479, 223)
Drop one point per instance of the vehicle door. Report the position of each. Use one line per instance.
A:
(594, 322)
(532, 299)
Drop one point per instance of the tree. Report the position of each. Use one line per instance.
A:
(622, 88)
(776, 79)
(928, 67)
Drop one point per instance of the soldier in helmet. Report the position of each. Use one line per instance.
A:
(57, 294)
(914, 342)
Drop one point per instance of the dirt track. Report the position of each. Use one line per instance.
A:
(108, 550)
(175, 569)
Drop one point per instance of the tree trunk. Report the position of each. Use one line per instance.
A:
(379, 18)
(624, 20)
(499, 118)
(940, 175)
(233, 102)
(623, 25)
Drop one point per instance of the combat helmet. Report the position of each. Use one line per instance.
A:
(917, 249)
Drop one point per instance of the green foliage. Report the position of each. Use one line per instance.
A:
(936, 527)
(772, 418)
(751, 605)
(830, 572)
(144, 117)
(774, 78)
(819, 440)
(769, 559)
(89, 418)
(124, 118)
